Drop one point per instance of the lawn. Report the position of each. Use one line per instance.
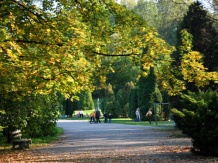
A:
(158, 124)
(128, 121)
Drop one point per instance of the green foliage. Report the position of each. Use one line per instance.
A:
(133, 102)
(157, 98)
(43, 116)
(146, 90)
(164, 15)
(166, 107)
(34, 115)
(123, 98)
(108, 103)
(199, 120)
(85, 101)
(197, 44)
(2, 112)
(69, 106)
(198, 22)
(123, 70)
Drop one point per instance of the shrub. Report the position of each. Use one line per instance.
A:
(199, 120)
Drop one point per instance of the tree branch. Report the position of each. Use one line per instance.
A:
(39, 17)
(114, 55)
(34, 42)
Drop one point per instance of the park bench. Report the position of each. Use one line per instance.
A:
(17, 140)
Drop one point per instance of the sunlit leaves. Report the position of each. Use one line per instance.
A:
(192, 67)
(62, 48)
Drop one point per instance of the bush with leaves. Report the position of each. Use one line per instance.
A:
(199, 121)
(133, 102)
(44, 113)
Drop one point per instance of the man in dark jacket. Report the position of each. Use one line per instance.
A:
(97, 116)
(105, 117)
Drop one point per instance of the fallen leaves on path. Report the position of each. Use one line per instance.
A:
(155, 154)
(171, 150)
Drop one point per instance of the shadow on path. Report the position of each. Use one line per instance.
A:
(118, 142)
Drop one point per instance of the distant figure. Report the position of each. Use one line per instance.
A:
(109, 118)
(149, 115)
(97, 116)
(105, 117)
(92, 117)
(137, 113)
(81, 114)
(78, 114)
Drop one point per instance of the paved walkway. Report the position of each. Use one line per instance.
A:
(110, 143)
(117, 143)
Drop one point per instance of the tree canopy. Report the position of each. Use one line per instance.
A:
(58, 45)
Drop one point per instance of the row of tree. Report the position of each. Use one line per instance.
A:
(195, 109)
(56, 50)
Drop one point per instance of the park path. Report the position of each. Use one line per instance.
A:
(84, 142)
(112, 143)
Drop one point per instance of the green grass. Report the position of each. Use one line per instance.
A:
(166, 125)
(159, 124)
(41, 141)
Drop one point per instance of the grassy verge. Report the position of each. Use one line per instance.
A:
(36, 142)
(167, 125)
(159, 124)
(42, 141)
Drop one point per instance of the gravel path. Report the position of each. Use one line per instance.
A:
(113, 143)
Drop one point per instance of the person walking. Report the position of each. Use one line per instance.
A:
(92, 117)
(78, 114)
(149, 115)
(105, 117)
(109, 118)
(97, 116)
(137, 113)
(81, 114)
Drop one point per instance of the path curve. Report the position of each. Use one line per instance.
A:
(84, 142)
(112, 143)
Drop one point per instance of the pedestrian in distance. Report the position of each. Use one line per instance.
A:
(81, 114)
(149, 115)
(78, 114)
(109, 118)
(97, 116)
(137, 113)
(105, 117)
(92, 117)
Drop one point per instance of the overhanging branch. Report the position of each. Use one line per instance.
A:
(34, 42)
(115, 55)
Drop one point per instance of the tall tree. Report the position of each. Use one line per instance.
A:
(123, 70)
(205, 37)
(128, 3)
(85, 101)
(109, 98)
(164, 15)
(60, 46)
(123, 97)
(133, 102)
(149, 11)
(146, 90)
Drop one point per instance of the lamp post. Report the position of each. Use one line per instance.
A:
(98, 103)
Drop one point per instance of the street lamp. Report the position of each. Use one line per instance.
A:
(98, 103)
